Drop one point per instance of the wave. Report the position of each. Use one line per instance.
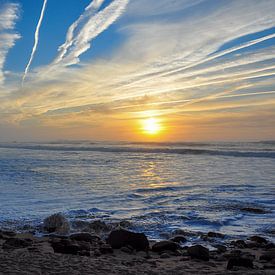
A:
(144, 150)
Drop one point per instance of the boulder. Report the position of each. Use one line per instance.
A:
(121, 237)
(239, 261)
(198, 252)
(165, 246)
(56, 223)
(15, 243)
(239, 244)
(220, 248)
(69, 247)
(258, 239)
(178, 239)
(85, 237)
(99, 226)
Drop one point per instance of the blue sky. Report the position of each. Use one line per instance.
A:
(55, 24)
(203, 68)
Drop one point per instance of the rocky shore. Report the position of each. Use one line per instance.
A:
(122, 251)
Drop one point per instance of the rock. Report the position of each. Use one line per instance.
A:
(106, 249)
(99, 226)
(254, 210)
(220, 248)
(7, 233)
(15, 243)
(198, 252)
(165, 246)
(178, 239)
(233, 254)
(121, 237)
(215, 235)
(56, 223)
(239, 244)
(258, 239)
(85, 237)
(269, 255)
(70, 247)
(239, 261)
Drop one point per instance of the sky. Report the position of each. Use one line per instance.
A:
(137, 70)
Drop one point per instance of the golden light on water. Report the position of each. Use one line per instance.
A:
(151, 126)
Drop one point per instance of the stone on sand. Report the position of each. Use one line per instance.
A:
(56, 223)
(165, 246)
(121, 237)
(198, 252)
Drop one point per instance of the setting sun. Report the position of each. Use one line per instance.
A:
(151, 126)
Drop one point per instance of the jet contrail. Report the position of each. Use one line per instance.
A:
(86, 28)
(36, 39)
(90, 10)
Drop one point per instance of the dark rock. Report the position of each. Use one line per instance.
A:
(239, 244)
(99, 226)
(269, 255)
(69, 247)
(8, 233)
(215, 235)
(106, 249)
(85, 237)
(178, 239)
(258, 239)
(254, 210)
(165, 246)
(239, 261)
(121, 237)
(220, 248)
(56, 223)
(198, 252)
(15, 243)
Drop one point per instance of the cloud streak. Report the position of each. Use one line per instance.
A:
(79, 39)
(9, 14)
(36, 40)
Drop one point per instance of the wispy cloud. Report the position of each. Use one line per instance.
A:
(86, 28)
(36, 40)
(9, 13)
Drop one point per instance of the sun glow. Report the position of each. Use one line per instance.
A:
(151, 126)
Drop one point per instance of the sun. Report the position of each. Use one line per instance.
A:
(151, 126)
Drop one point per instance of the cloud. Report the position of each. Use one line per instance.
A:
(36, 40)
(9, 14)
(79, 39)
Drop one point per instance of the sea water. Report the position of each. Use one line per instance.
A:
(158, 187)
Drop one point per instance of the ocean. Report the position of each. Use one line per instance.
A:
(158, 187)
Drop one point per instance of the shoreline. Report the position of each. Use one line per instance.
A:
(121, 251)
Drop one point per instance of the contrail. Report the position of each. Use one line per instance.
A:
(86, 28)
(36, 39)
(90, 10)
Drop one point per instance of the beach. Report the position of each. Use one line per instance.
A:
(87, 253)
